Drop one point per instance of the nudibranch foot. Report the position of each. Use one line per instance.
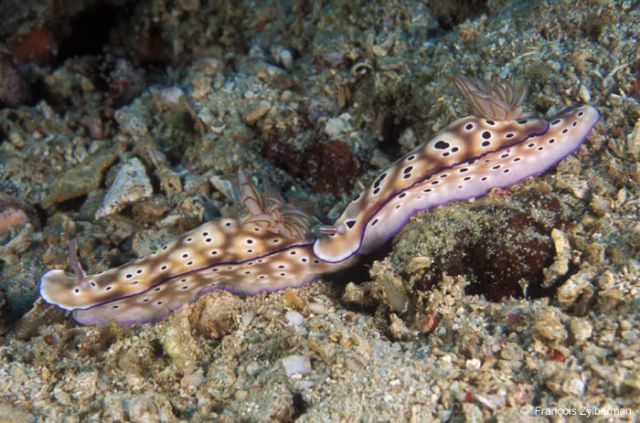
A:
(289, 268)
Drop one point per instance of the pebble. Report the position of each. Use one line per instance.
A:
(472, 412)
(633, 141)
(584, 94)
(581, 329)
(255, 112)
(294, 318)
(172, 96)
(576, 286)
(560, 265)
(337, 126)
(296, 364)
(84, 178)
(573, 386)
(132, 122)
(473, 364)
(408, 139)
(283, 56)
(130, 186)
(549, 326)
(223, 185)
(379, 159)
(14, 214)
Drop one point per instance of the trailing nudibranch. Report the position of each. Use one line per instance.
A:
(268, 250)
(272, 248)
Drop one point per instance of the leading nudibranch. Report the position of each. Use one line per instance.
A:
(272, 248)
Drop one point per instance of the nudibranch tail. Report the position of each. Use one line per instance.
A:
(477, 177)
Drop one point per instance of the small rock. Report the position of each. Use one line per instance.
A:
(584, 94)
(247, 318)
(152, 209)
(208, 66)
(283, 56)
(319, 309)
(256, 112)
(296, 364)
(573, 386)
(633, 141)
(632, 380)
(176, 339)
(14, 214)
(172, 96)
(294, 318)
(335, 127)
(130, 186)
(223, 185)
(154, 407)
(388, 287)
(581, 329)
(408, 139)
(13, 88)
(578, 285)
(216, 315)
(511, 351)
(560, 265)
(398, 328)
(14, 414)
(170, 182)
(293, 300)
(549, 326)
(600, 205)
(472, 413)
(131, 121)
(358, 295)
(192, 380)
(84, 178)
(379, 159)
(473, 364)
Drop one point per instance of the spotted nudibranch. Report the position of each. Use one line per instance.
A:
(273, 247)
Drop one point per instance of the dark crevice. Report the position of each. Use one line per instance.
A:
(299, 406)
(72, 204)
(89, 31)
(450, 13)
(41, 215)
(392, 127)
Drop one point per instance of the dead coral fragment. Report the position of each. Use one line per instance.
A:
(130, 186)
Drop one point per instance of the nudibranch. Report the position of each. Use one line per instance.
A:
(273, 247)
(270, 249)
(463, 140)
